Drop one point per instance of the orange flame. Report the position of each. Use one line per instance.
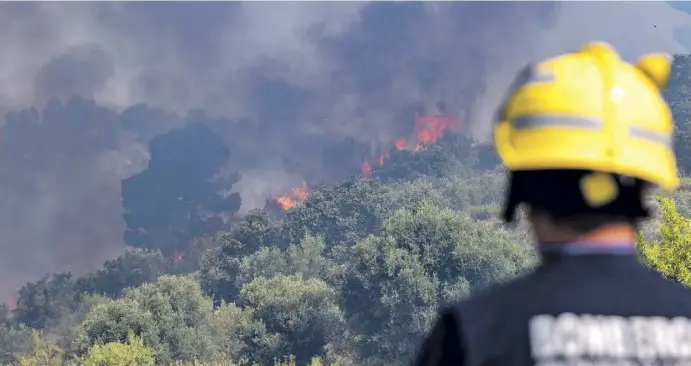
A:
(295, 196)
(13, 302)
(430, 128)
(427, 129)
(366, 169)
(400, 144)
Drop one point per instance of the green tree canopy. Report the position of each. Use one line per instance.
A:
(133, 352)
(171, 316)
(671, 253)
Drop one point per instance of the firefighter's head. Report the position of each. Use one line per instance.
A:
(584, 134)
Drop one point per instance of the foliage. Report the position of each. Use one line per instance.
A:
(241, 336)
(426, 257)
(135, 267)
(171, 316)
(131, 353)
(45, 300)
(449, 155)
(341, 213)
(14, 340)
(678, 95)
(303, 310)
(45, 352)
(221, 263)
(671, 254)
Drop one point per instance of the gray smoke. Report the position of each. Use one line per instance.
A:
(335, 69)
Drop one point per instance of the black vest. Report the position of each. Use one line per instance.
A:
(579, 307)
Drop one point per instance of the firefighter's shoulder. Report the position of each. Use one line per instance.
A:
(667, 294)
(497, 298)
(489, 320)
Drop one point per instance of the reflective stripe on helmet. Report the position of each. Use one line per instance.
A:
(665, 139)
(555, 120)
(523, 122)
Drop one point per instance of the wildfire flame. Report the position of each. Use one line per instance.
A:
(400, 144)
(366, 169)
(426, 129)
(430, 128)
(13, 303)
(295, 196)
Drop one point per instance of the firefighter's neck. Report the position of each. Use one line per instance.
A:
(611, 234)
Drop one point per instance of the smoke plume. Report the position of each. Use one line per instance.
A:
(291, 71)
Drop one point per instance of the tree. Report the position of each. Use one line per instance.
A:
(172, 201)
(113, 321)
(14, 340)
(135, 267)
(304, 311)
(45, 352)
(678, 95)
(255, 231)
(448, 155)
(131, 353)
(671, 254)
(221, 263)
(341, 213)
(224, 274)
(425, 258)
(43, 302)
(171, 316)
(243, 336)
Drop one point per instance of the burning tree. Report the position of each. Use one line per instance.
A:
(295, 196)
(426, 129)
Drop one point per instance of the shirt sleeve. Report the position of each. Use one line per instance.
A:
(444, 345)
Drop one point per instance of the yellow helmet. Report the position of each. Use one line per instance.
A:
(590, 110)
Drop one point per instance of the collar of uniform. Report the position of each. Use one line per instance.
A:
(587, 248)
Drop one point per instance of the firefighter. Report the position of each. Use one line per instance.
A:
(584, 136)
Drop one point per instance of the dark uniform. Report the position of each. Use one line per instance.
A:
(582, 306)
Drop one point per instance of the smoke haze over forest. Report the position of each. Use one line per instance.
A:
(298, 77)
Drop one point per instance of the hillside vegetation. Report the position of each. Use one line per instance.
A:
(350, 273)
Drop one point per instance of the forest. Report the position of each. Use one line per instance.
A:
(347, 268)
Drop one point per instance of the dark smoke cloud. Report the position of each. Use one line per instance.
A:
(82, 70)
(299, 77)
